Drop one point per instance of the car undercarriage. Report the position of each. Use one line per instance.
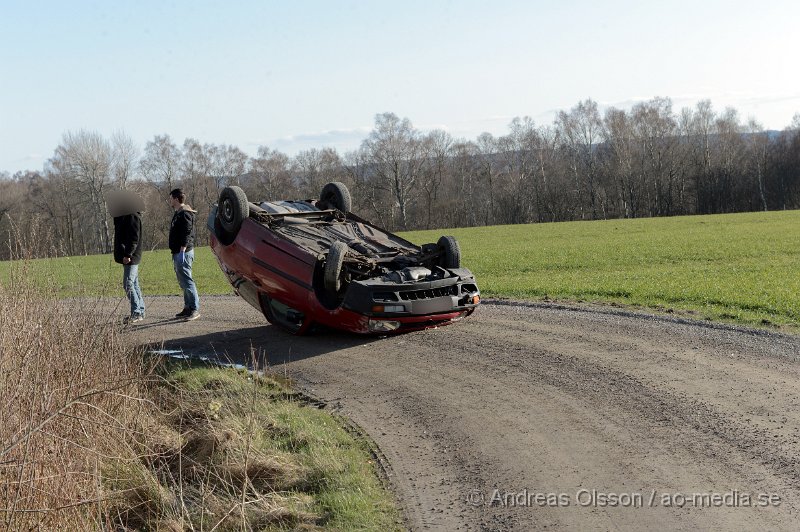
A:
(344, 263)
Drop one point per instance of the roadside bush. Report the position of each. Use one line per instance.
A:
(69, 391)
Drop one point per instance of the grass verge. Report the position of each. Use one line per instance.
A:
(233, 450)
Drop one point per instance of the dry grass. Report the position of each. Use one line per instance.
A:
(197, 468)
(94, 438)
(69, 392)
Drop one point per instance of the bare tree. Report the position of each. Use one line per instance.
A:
(785, 170)
(85, 156)
(203, 172)
(315, 167)
(160, 162)
(11, 192)
(730, 149)
(229, 164)
(56, 197)
(489, 172)
(549, 198)
(437, 145)
(12, 196)
(465, 185)
(397, 156)
(518, 152)
(269, 175)
(758, 151)
(622, 147)
(701, 134)
(686, 199)
(197, 170)
(369, 195)
(124, 156)
(581, 130)
(655, 130)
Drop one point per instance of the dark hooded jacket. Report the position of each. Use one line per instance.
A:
(181, 231)
(128, 238)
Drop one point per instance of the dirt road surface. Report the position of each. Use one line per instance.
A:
(527, 417)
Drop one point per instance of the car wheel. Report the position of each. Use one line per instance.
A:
(336, 196)
(450, 252)
(232, 210)
(333, 267)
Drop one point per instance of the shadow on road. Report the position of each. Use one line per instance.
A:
(268, 344)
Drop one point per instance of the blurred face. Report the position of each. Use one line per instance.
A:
(173, 202)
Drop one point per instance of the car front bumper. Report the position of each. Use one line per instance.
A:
(378, 299)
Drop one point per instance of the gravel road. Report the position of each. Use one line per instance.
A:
(527, 417)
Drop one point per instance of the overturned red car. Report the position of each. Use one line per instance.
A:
(309, 263)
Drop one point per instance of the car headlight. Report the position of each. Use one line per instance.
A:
(383, 325)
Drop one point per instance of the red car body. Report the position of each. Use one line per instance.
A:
(278, 263)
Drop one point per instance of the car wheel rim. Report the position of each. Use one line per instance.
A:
(227, 211)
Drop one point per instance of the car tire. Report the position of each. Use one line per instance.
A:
(232, 209)
(335, 195)
(332, 278)
(450, 252)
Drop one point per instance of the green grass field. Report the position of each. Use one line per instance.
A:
(99, 275)
(743, 268)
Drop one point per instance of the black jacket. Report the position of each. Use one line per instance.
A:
(128, 238)
(181, 231)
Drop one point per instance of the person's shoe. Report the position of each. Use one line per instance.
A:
(183, 314)
(135, 318)
(193, 315)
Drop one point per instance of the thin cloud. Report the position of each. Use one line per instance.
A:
(433, 127)
(32, 161)
(726, 98)
(335, 138)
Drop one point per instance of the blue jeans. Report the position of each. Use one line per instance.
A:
(183, 271)
(130, 283)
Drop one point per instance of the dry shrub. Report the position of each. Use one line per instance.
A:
(69, 390)
(91, 438)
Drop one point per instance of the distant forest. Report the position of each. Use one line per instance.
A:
(642, 162)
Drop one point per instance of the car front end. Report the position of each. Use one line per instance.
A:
(413, 298)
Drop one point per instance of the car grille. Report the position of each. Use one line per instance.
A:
(414, 295)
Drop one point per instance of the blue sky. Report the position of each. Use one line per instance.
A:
(300, 74)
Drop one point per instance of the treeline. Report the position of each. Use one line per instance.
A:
(586, 165)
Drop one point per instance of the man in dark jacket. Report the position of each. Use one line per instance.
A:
(181, 244)
(128, 252)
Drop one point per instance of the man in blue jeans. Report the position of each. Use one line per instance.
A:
(181, 244)
(128, 252)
